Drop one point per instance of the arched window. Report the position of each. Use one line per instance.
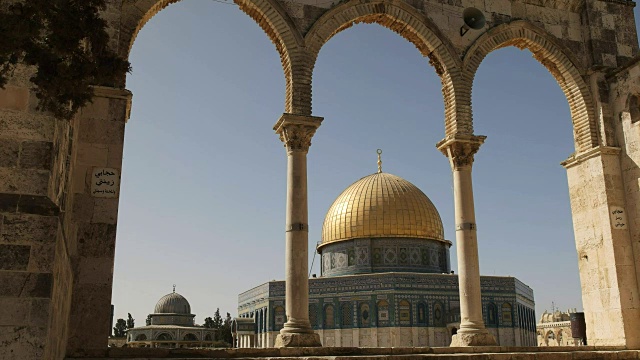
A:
(313, 315)
(422, 313)
(190, 337)
(492, 314)
(405, 312)
(365, 315)
(141, 337)
(208, 337)
(347, 315)
(507, 314)
(164, 337)
(383, 313)
(438, 314)
(278, 317)
(560, 337)
(329, 320)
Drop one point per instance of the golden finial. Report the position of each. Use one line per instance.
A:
(379, 161)
(174, 288)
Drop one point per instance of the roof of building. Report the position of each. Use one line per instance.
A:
(382, 205)
(173, 303)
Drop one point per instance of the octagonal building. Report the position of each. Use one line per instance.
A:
(386, 278)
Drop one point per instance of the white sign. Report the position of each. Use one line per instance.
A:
(618, 218)
(105, 183)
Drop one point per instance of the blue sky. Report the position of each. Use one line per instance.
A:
(204, 177)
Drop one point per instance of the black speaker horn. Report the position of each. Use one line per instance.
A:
(473, 19)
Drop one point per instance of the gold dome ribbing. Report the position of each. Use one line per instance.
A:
(382, 205)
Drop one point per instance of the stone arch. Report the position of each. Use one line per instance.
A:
(164, 336)
(407, 22)
(190, 337)
(524, 35)
(268, 14)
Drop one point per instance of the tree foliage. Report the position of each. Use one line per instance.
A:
(225, 331)
(217, 319)
(130, 321)
(120, 330)
(67, 42)
(208, 322)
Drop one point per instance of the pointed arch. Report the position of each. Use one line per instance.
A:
(407, 22)
(524, 35)
(268, 14)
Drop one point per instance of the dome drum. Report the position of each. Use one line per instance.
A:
(378, 255)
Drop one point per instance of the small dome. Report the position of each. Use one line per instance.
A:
(173, 303)
(382, 205)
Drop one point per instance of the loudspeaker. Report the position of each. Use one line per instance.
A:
(473, 19)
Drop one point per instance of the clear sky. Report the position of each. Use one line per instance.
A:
(204, 176)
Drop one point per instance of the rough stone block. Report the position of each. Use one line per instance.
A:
(42, 257)
(36, 155)
(14, 98)
(28, 229)
(11, 282)
(9, 202)
(96, 240)
(15, 311)
(22, 342)
(90, 315)
(9, 151)
(96, 271)
(92, 155)
(14, 257)
(24, 181)
(39, 313)
(25, 126)
(105, 211)
(100, 131)
(37, 285)
(37, 205)
(83, 205)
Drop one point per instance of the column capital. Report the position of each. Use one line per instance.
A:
(460, 149)
(296, 131)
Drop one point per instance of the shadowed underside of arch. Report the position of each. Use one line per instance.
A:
(268, 14)
(524, 35)
(406, 22)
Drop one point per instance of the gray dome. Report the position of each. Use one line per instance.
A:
(173, 303)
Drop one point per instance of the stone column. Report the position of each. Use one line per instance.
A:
(296, 132)
(460, 151)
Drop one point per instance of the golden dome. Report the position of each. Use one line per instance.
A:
(382, 205)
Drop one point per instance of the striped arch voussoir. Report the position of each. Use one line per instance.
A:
(524, 35)
(268, 14)
(403, 20)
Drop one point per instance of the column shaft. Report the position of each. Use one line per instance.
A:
(297, 246)
(460, 150)
(296, 132)
(467, 250)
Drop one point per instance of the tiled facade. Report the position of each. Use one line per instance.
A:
(394, 309)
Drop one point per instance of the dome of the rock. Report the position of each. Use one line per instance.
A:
(382, 205)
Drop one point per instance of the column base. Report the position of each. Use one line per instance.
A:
(298, 340)
(473, 339)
